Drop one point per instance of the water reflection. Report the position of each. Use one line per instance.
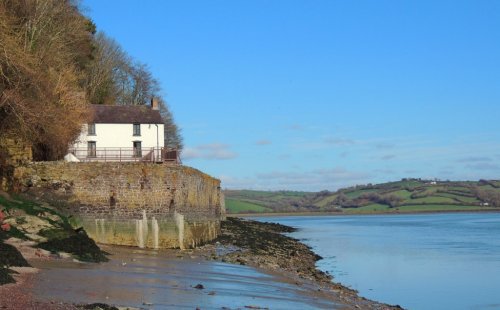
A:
(144, 278)
(432, 261)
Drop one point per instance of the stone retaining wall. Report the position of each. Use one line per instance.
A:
(142, 204)
(13, 152)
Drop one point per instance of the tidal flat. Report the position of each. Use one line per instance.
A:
(252, 265)
(162, 280)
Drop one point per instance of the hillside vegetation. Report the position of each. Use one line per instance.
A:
(53, 64)
(248, 201)
(407, 195)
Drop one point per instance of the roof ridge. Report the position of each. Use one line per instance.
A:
(125, 114)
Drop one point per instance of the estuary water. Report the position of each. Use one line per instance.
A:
(148, 279)
(431, 261)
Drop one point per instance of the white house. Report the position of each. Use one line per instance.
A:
(121, 133)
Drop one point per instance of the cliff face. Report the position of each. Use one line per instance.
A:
(146, 205)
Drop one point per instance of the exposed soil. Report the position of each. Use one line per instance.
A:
(20, 296)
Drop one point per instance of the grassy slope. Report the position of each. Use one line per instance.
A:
(371, 208)
(377, 208)
(414, 195)
(239, 206)
(248, 201)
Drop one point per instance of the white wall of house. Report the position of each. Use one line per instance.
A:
(121, 136)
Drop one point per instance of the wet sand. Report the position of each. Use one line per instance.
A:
(161, 280)
(19, 295)
(267, 270)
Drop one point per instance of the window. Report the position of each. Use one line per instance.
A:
(91, 129)
(91, 149)
(137, 129)
(137, 149)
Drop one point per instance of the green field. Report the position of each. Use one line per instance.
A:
(408, 195)
(418, 208)
(325, 201)
(237, 206)
(431, 200)
(463, 199)
(357, 193)
(404, 194)
(413, 208)
(372, 208)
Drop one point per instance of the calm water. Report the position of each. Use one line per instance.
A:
(436, 261)
(148, 279)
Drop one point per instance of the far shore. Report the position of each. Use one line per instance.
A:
(279, 214)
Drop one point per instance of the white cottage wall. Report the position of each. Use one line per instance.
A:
(121, 136)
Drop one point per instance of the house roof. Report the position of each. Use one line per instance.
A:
(125, 114)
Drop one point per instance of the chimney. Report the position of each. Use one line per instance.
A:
(154, 104)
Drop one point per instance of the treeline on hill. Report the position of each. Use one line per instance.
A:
(53, 64)
(407, 195)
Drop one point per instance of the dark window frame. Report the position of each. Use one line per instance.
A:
(137, 149)
(91, 149)
(136, 129)
(91, 129)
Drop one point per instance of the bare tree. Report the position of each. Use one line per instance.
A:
(172, 134)
(52, 64)
(44, 46)
(145, 86)
(102, 74)
(114, 78)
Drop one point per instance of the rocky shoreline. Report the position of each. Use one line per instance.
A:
(264, 246)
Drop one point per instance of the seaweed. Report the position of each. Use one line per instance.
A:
(98, 306)
(5, 277)
(10, 256)
(78, 244)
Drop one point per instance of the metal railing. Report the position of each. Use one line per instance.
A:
(121, 154)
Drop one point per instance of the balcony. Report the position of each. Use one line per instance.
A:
(120, 154)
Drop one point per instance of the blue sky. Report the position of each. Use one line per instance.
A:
(313, 95)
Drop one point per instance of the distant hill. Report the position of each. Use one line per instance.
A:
(407, 195)
(249, 201)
